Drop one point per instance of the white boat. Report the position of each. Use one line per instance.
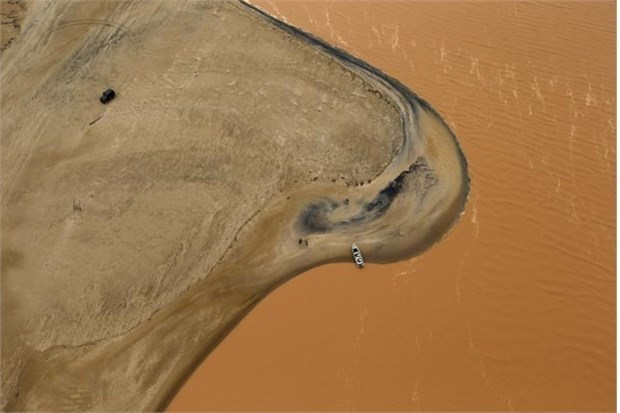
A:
(357, 256)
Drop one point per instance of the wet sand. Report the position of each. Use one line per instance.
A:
(137, 235)
(515, 308)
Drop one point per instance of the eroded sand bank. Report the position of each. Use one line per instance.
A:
(136, 235)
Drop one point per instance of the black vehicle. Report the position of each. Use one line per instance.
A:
(107, 96)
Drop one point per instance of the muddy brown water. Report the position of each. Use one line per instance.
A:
(515, 308)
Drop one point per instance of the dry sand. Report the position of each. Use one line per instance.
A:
(136, 235)
(516, 308)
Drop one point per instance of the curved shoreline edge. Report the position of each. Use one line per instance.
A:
(406, 102)
(345, 56)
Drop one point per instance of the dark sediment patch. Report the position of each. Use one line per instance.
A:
(418, 179)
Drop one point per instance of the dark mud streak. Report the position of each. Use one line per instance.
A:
(418, 178)
(314, 217)
(386, 196)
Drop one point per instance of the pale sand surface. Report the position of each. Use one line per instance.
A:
(516, 308)
(136, 235)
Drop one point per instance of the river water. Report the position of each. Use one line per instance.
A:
(515, 308)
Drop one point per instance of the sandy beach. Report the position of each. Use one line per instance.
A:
(239, 153)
